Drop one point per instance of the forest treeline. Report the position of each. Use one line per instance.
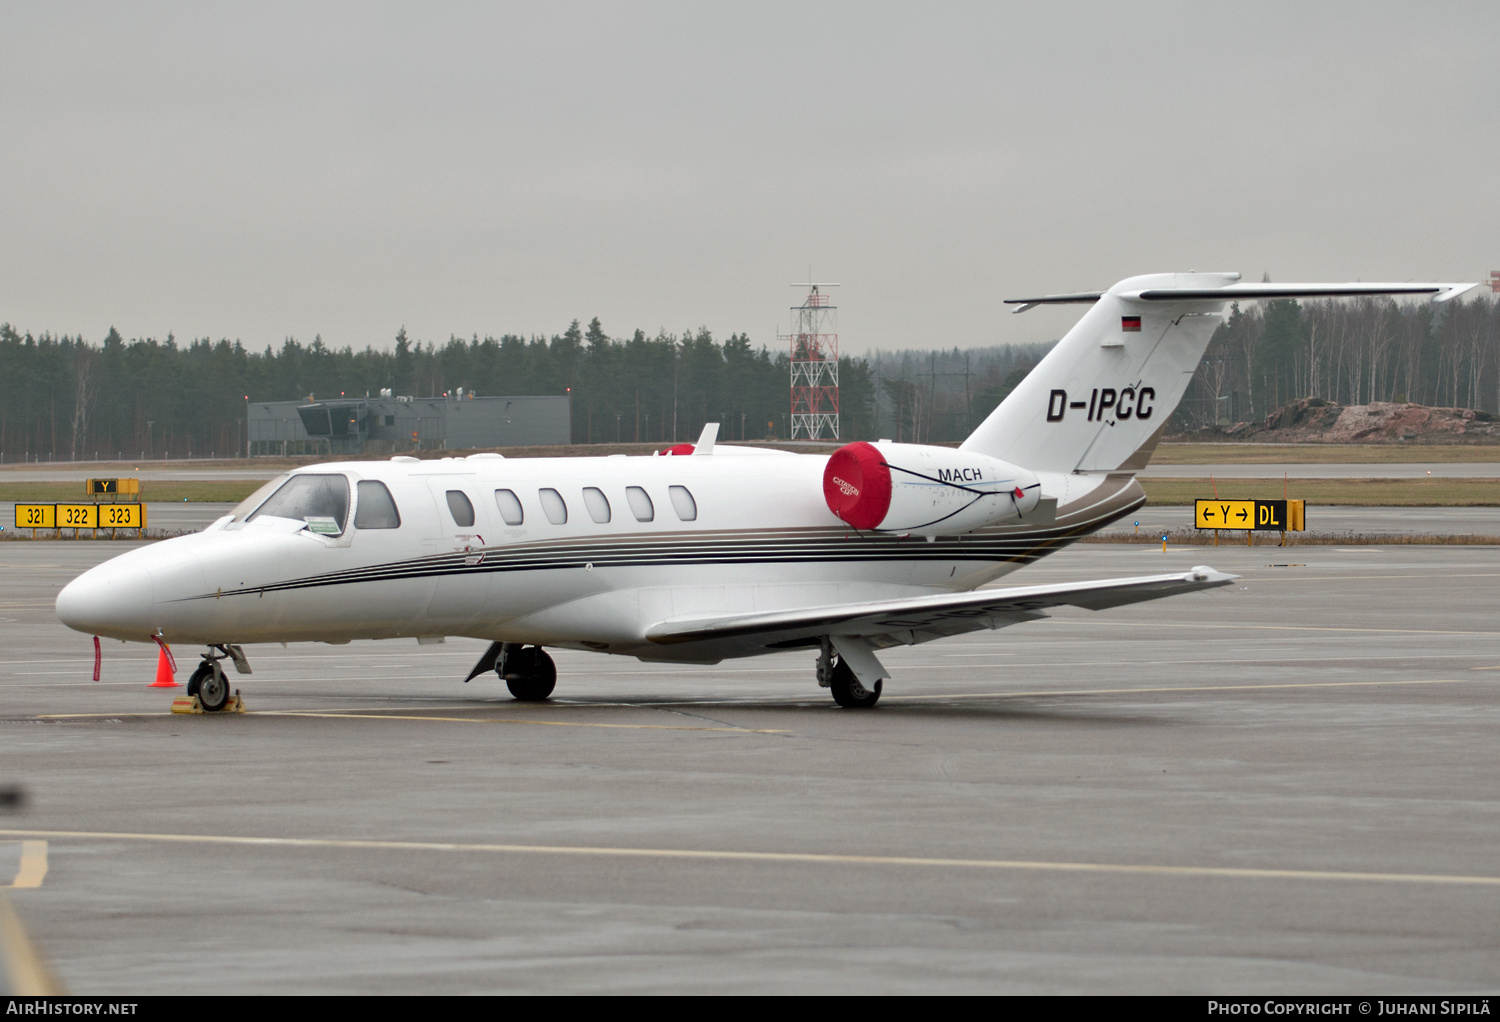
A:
(1263, 356)
(1350, 351)
(940, 396)
(65, 398)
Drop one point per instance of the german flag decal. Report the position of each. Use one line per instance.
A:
(1130, 324)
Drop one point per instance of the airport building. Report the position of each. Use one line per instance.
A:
(392, 424)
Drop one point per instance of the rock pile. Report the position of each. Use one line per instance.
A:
(1313, 420)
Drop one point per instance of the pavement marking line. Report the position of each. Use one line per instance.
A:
(1212, 626)
(1037, 865)
(26, 970)
(1495, 668)
(1282, 578)
(1359, 578)
(354, 710)
(74, 671)
(377, 715)
(33, 865)
(1092, 691)
(1184, 688)
(1221, 660)
(796, 701)
(75, 684)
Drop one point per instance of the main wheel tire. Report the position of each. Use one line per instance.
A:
(195, 683)
(530, 674)
(849, 692)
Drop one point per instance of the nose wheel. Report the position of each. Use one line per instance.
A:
(210, 686)
(527, 671)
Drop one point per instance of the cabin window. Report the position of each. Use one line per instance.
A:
(510, 507)
(640, 503)
(597, 503)
(460, 508)
(553, 506)
(322, 501)
(376, 509)
(683, 503)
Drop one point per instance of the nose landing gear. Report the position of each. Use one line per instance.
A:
(210, 686)
(208, 682)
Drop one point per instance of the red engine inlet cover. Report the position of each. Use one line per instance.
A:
(857, 485)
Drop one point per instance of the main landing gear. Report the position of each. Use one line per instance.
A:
(839, 678)
(527, 671)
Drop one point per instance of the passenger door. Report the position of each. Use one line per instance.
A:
(458, 554)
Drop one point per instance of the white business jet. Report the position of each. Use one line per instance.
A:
(727, 552)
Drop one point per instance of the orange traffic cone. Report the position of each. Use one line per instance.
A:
(164, 672)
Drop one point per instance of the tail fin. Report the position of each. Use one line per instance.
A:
(1099, 400)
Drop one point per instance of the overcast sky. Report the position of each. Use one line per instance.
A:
(255, 171)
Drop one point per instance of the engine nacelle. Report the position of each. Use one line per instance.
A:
(925, 490)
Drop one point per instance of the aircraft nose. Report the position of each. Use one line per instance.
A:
(113, 600)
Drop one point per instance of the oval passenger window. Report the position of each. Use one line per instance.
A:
(553, 506)
(597, 503)
(460, 508)
(510, 507)
(683, 503)
(640, 503)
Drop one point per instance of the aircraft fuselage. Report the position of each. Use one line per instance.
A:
(738, 531)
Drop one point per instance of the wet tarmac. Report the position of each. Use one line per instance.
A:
(1284, 787)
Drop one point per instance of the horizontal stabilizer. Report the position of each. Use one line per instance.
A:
(1078, 298)
(928, 617)
(1247, 292)
(1239, 292)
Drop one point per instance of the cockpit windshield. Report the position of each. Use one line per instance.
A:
(322, 501)
(257, 498)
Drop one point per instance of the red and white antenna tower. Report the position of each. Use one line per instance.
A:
(814, 343)
(1495, 281)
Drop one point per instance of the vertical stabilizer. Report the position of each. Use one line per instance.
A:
(1097, 402)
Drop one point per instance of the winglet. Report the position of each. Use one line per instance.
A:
(1453, 292)
(705, 444)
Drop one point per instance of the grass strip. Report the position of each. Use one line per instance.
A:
(1323, 454)
(153, 491)
(1336, 492)
(1231, 537)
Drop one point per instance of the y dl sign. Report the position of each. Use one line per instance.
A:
(1253, 515)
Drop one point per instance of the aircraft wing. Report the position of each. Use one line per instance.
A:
(885, 623)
